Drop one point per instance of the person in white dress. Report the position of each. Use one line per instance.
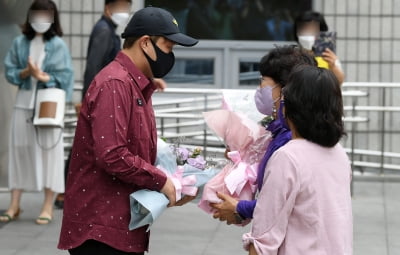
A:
(37, 59)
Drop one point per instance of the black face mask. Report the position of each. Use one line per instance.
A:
(163, 63)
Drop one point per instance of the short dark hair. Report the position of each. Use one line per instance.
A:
(313, 103)
(280, 61)
(309, 16)
(55, 29)
(130, 41)
(113, 1)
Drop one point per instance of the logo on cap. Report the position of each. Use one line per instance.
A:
(175, 22)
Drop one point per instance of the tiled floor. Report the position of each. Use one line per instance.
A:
(187, 230)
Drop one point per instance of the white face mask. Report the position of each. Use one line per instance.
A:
(41, 27)
(307, 41)
(120, 18)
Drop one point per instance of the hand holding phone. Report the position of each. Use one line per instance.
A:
(326, 40)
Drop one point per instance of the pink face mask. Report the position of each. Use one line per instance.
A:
(264, 101)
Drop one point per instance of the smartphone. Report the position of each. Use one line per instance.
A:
(325, 40)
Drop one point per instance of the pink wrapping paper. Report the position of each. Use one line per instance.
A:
(247, 141)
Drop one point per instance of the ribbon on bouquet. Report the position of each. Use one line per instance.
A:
(147, 206)
(242, 174)
(184, 185)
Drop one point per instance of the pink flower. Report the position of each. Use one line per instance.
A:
(182, 154)
(197, 162)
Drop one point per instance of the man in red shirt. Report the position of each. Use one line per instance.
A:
(116, 140)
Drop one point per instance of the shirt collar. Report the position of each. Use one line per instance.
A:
(140, 79)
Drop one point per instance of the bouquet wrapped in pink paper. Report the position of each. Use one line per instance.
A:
(247, 142)
(188, 171)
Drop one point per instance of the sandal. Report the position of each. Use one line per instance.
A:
(59, 202)
(43, 220)
(5, 217)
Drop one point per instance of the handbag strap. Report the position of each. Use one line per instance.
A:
(34, 101)
(50, 147)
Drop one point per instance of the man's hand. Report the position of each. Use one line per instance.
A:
(35, 71)
(159, 84)
(169, 191)
(225, 210)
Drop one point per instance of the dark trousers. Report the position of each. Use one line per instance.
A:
(92, 247)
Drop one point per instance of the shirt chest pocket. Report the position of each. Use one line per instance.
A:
(141, 124)
(141, 131)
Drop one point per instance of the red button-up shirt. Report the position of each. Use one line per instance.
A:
(112, 156)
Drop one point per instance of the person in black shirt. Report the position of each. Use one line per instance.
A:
(104, 43)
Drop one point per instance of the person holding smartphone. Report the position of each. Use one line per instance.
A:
(307, 29)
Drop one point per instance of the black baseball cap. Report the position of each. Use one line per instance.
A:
(159, 22)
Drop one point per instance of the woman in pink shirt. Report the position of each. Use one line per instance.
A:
(304, 206)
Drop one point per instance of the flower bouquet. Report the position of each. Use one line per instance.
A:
(188, 171)
(241, 101)
(247, 142)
